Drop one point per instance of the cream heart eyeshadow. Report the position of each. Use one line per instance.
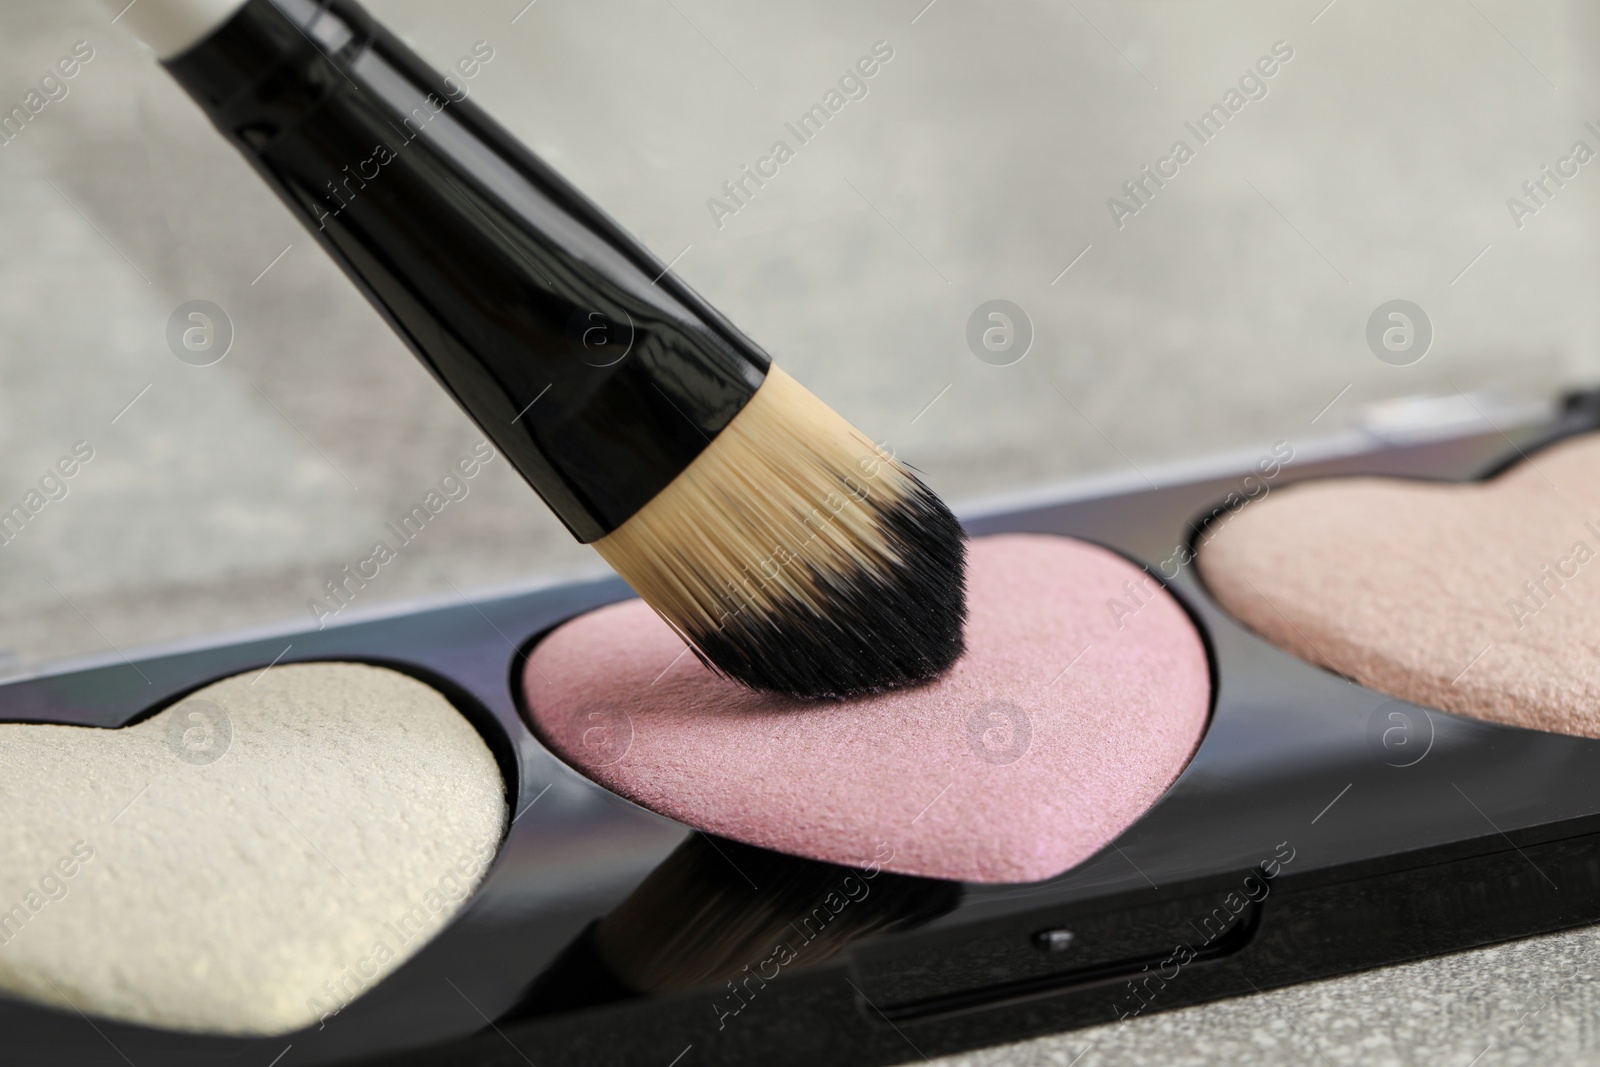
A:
(532, 827)
(248, 859)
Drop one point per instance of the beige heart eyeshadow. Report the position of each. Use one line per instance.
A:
(1480, 598)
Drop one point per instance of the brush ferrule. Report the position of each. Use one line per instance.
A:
(597, 372)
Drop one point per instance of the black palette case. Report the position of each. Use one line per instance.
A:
(1321, 828)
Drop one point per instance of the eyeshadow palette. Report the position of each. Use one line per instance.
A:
(1318, 827)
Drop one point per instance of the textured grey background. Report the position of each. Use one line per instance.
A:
(1227, 314)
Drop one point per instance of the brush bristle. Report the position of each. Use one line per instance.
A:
(794, 555)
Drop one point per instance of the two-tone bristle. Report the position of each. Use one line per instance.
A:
(795, 555)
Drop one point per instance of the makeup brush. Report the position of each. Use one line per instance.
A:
(784, 546)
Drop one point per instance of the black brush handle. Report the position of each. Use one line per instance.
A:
(595, 371)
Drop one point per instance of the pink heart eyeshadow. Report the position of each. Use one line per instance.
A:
(1013, 767)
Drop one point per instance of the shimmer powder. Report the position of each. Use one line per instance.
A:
(247, 861)
(1081, 697)
(1481, 598)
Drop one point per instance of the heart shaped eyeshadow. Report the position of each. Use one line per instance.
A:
(1083, 692)
(248, 860)
(1481, 599)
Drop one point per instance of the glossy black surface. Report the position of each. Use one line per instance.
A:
(1320, 828)
(593, 368)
